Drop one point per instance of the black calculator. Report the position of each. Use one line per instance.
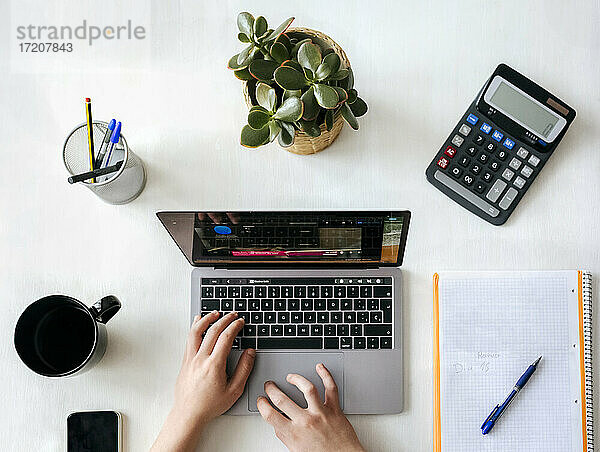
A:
(500, 145)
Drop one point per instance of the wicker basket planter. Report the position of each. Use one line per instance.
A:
(304, 144)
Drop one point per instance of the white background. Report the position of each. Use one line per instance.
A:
(417, 64)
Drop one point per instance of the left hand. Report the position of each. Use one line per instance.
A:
(202, 390)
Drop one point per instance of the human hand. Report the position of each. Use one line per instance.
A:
(202, 389)
(321, 427)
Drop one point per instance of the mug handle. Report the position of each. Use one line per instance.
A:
(104, 309)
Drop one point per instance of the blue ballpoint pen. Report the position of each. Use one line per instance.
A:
(104, 143)
(489, 423)
(114, 139)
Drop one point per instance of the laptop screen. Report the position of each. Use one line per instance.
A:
(299, 237)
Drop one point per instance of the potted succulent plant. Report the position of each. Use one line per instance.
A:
(299, 86)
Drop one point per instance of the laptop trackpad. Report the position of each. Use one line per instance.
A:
(276, 366)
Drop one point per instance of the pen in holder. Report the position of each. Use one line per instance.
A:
(120, 187)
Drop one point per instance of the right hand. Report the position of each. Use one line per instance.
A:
(321, 427)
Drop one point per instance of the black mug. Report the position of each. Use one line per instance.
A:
(58, 335)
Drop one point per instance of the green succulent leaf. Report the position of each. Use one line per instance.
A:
(348, 82)
(266, 96)
(245, 23)
(297, 46)
(352, 96)
(252, 138)
(349, 116)
(326, 96)
(323, 71)
(291, 93)
(243, 74)
(232, 63)
(309, 56)
(285, 40)
(260, 26)
(333, 61)
(340, 75)
(274, 129)
(263, 69)
(258, 119)
(243, 37)
(342, 94)
(287, 135)
(279, 52)
(289, 78)
(358, 107)
(310, 128)
(290, 111)
(244, 56)
(284, 26)
(308, 74)
(329, 119)
(259, 108)
(292, 64)
(311, 106)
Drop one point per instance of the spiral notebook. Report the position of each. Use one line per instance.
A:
(488, 328)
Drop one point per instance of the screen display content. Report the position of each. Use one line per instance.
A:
(525, 110)
(297, 237)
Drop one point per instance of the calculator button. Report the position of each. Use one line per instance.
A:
(526, 171)
(476, 169)
(497, 135)
(483, 158)
(522, 152)
(496, 190)
(533, 160)
(495, 166)
(485, 128)
(515, 163)
(457, 140)
(466, 193)
(508, 174)
(508, 143)
(472, 119)
(443, 162)
(519, 182)
(480, 187)
(471, 150)
(508, 198)
(468, 179)
(456, 171)
(478, 139)
(502, 154)
(450, 151)
(464, 161)
(487, 176)
(464, 130)
(490, 147)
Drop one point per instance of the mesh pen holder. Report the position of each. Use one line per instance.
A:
(120, 187)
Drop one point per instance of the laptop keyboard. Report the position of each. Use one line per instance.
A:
(306, 313)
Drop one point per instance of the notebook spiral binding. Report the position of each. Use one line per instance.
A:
(586, 287)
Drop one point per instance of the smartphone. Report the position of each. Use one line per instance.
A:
(97, 431)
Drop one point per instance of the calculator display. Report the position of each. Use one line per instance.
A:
(523, 109)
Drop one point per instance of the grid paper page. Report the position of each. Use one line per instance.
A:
(491, 330)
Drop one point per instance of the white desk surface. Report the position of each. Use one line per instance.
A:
(417, 64)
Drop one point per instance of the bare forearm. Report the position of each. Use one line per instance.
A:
(178, 434)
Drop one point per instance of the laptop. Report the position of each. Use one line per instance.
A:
(313, 287)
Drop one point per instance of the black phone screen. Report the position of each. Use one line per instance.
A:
(96, 431)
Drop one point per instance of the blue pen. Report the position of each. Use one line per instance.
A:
(114, 139)
(489, 423)
(104, 143)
